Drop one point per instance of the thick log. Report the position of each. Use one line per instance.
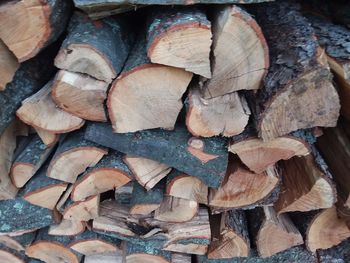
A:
(80, 95)
(29, 161)
(298, 92)
(49, 138)
(180, 38)
(225, 115)
(306, 185)
(230, 236)
(204, 158)
(73, 156)
(143, 91)
(109, 173)
(9, 65)
(105, 257)
(98, 49)
(82, 210)
(145, 254)
(147, 172)
(240, 53)
(338, 253)
(28, 26)
(67, 228)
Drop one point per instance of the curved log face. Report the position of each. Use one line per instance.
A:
(49, 138)
(6, 256)
(83, 210)
(8, 65)
(51, 252)
(145, 258)
(67, 228)
(93, 246)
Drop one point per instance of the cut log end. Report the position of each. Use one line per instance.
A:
(21, 173)
(143, 209)
(9, 65)
(93, 246)
(6, 256)
(49, 138)
(145, 258)
(67, 228)
(83, 210)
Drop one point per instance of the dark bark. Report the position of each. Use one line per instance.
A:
(93, 236)
(174, 148)
(18, 255)
(340, 253)
(146, 249)
(140, 196)
(123, 194)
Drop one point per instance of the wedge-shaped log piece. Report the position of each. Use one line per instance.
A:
(326, 230)
(180, 38)
(73, 156)
(49, 138)
(240, 53)
(186, 187)
(203, 158)
(337, 253)
(90, 243)
(28, 26)
(40, 111)
(147, 172)
(80, 95)
(98, 49)
(243, 188)
(306, 185)
(146, 95)
(145, 254)
(298, 92)
(67, 228)
(52, 248)
(82, 210)
(230, 236)
(29, 161)
(105, 257)
(64, 199)
(225, 115)
(9, 65)
(109, 173)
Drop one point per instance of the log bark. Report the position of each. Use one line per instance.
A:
(145, 254)
(105, 258)
(50, 139)
(29, 161)
(11, 255)
(98, 49)
(80, 95)
(146, 95)
(180, 38)
(147, 172)
(297, 73)
(240, 56)
(27, 26)
(123, 194)
(225, 115)
(109, 173)
(204, 158)
(9, 65)
(67, 228)
(334, 254)
(82, 210)
(18, 243)
(230, 236)
(73, 156)
(180, 258)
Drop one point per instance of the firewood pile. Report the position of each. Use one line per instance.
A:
(141, 131)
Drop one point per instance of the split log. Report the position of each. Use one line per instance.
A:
(240, 53)
(73, 156)
(334, 254)
(82, 210)
(143, 91)
(11, 255)
(277, 233)
(147, 172)
(243, 188)
(64, 199)
(80, 95)
(98, 49)
(144, 202)
(109, 173)
(123, 194)
(9, 65)
(180, 258)
(28, 26)
(180, 38)
(225, 115)
(49, 138)
(19, 242)
(230, 236)
(40, 111)
(145, 254)
(306, 185)
(203, 158)
(105, 257)
(90, 243)
(298, 92)
(52, 248)
(67, 228)
(186, 187)
(29, 161)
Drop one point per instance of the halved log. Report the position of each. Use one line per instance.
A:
(306, 185)
(8, 65)
(186, 187)
(230, 236)
(145, 254)
(28, 26)
(147, 172)
(98, 49)
(277, 233)
(204, 158)
(19, 242)
(176, 210)
(180, 38)
(29, 161)
(225, 115)
(326, 230)
(298, 92)
(73, 156)
(40, 111)
(67, 228)
(123, 194)
(146, 95)
(49, 138)
(337, 253)
(80, 95)
(240, 53)
(109, 173)
(90, 243)
(105, 257)
(82, 210)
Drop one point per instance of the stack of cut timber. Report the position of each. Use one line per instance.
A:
(176, 133)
